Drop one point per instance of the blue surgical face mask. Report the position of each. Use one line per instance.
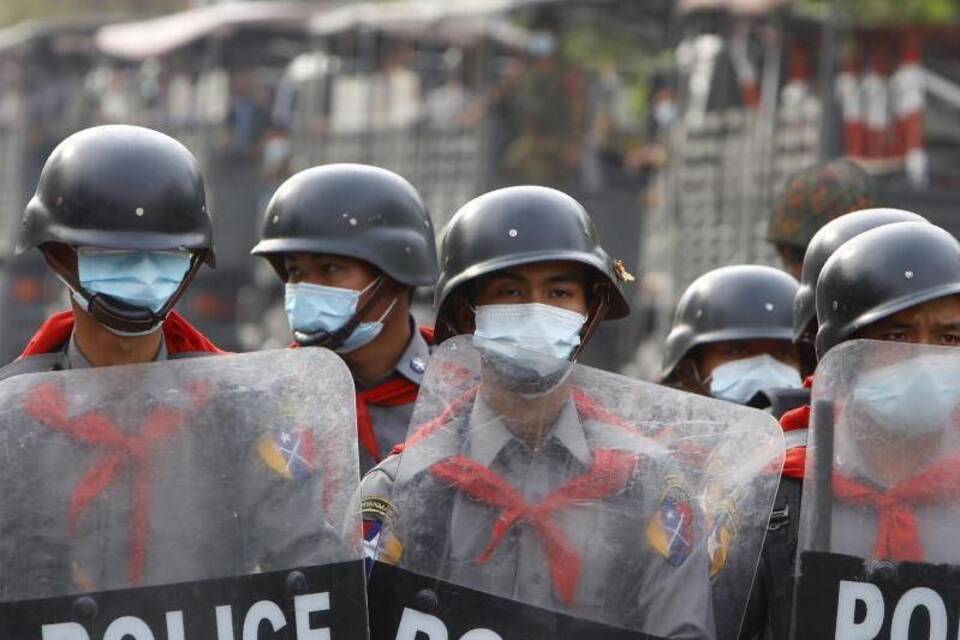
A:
(146, 279)
(740, 380)
(913, 397)
(312, 308)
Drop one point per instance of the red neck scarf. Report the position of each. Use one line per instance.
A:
(799, 418)
(586, 406)
(608, 475)
(47, 405)
(180, 336)
(898, 536)
(392, 393)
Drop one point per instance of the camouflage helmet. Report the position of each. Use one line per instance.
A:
(814, 197)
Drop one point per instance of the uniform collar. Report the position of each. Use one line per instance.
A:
(488, 435)
(76, 360)
(412, 362)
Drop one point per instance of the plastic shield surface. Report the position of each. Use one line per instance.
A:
(539, 499)
(201, 498)
(879, 552)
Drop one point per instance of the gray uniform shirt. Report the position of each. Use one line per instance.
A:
(216, 507)
(390, 424)
(623, 580)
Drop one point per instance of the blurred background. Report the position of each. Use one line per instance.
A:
(675, 122)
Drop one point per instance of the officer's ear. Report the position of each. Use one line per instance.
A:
(464, 314)
(62, 259)
(687, 375)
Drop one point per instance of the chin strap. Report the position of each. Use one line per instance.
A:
(596, 314)
(123, 319)
(334, 340)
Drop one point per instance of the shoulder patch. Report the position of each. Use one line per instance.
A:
(723, 531)
(670, 531)
(291, 453)
(379, 522)
(377, 508)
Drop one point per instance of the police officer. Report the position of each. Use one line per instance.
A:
(812, 198)
(120, 217)
(524, 273)
(901, 283)
(770, 597)
(731, 336)
(351, 243)
(139, 487)
(827, 240)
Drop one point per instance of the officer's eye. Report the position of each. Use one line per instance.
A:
(293, 272)
(510, 292)
(738, 351)
(330, 268)
(950, 339)
(895, 336)
(561, 293)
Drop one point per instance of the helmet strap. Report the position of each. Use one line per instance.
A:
(702, 385)
(595, 315)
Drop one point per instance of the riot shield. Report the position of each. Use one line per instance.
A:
(539, 499)
(881, 501)
(197, 498)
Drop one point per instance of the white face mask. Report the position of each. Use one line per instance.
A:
(528, 345)
(913, 397)
(740, 380)
(541, 328)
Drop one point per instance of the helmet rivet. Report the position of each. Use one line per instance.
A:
(353, 222)
(908, 275)
(836, 305)
(139, 212)
(59, 200)
(699, 313)
(276, 219)
(512, 233)
(768, 306)
(407, 250)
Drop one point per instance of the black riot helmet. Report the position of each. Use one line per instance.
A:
(824, 243)
(517, 226)
(125, 188)
(882, 272)
(352, 210)
(741, 302)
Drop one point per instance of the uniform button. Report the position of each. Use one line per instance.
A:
(417, 364)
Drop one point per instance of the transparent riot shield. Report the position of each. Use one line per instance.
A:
(880, 525)
(202, 498)
(538, 499)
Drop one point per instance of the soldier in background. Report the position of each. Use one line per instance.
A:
(812, 198)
